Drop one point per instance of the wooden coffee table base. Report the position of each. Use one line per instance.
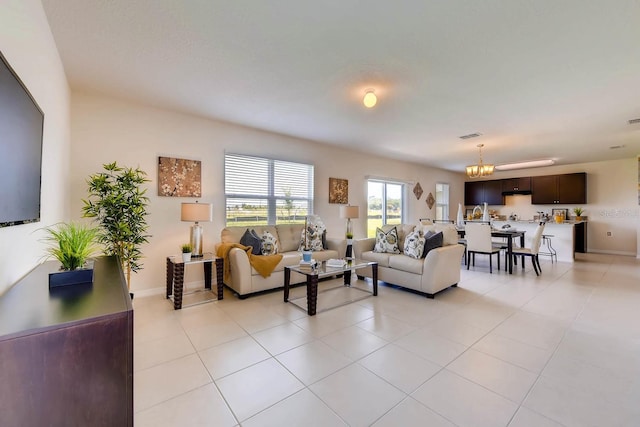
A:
(312, 285)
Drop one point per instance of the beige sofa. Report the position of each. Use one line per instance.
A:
(437, 271)
(245, 280)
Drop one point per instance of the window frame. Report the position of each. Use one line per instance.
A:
(403, 201)
(446, 206)
(273, 198)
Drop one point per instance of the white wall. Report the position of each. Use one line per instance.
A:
(27, 44)
(612, 203)
(106, 130)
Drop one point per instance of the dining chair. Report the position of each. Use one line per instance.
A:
(532, 251)
(479, 242)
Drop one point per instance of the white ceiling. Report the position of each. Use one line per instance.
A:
(537, 79)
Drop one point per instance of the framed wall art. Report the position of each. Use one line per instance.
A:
(338, 191)
(179, 177)
(417, 191)
(430, 200)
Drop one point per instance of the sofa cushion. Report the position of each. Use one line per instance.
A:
(288, 236)
(449, 232)
(432, 240)
(414, 245)
(250, 238)
(234, 234)
(405, 263)
(387, 242)
(269, 243)
(381, 258)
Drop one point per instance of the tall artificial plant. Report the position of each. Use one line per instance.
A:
(117, 202)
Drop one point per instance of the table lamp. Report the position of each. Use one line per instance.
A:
(349, 212)
(196, 212)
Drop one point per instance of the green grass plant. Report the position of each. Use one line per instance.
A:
(71, 244)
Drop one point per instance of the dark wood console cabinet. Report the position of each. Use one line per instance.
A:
(66, 355)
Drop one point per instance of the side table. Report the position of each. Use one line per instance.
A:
(175, 275)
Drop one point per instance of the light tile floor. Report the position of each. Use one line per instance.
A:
(562, 349)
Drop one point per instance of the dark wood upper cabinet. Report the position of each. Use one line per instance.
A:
(479, 192)
(493, 192)
(559, 189)
(516, 185)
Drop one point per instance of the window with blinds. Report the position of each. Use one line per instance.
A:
(261, 191)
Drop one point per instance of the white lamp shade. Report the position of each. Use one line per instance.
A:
(349, 212)
(196, 212)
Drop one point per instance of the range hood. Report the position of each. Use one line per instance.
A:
(512, 192)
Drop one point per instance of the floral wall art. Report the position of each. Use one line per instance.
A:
(179, 177)
(338, 191)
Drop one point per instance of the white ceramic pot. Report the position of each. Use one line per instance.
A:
(186, 257)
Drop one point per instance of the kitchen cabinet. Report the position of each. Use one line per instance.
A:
(581, 237)
(559, 189)
(517, 185)
(479, 192)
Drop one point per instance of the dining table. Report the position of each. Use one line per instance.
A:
(509, 235)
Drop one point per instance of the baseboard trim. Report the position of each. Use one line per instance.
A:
(197, 284)
(606, 252)
(150, 292)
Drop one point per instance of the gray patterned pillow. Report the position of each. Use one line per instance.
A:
(432, 241)
(414, 245)
(387, 242)
(250, 238)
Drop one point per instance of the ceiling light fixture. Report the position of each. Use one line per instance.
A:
(525, 165)
(370, 99)
(476, 171)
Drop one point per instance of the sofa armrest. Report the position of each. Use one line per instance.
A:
(363, 245)
(240, 271)
(442, 268)
(337, 244)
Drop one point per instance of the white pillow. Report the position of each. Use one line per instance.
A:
(269, 244)
(387, 242)
(414, 245)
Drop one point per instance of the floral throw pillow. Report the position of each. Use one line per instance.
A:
(315, 238)
(387, 242)
(414, 245)
(315, 234)
(269, 244)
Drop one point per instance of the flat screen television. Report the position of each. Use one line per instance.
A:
(21, 128)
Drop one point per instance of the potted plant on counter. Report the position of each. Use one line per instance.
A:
(72, 245)
(578, 211)
(186, 252)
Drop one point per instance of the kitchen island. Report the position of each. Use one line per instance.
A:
(564, 235)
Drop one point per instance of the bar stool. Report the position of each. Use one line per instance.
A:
(550, 252)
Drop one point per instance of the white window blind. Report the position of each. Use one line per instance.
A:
(442, 201)
(261, 191)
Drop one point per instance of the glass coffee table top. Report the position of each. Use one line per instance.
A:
(321, 269)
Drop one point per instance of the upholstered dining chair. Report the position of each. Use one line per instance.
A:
(532, 252)
(479, 242)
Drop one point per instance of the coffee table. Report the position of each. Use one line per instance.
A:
(321, 271)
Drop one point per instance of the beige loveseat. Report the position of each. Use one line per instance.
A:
(245, 280)
(437, 271)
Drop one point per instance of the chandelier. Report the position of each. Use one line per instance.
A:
(476, 171)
